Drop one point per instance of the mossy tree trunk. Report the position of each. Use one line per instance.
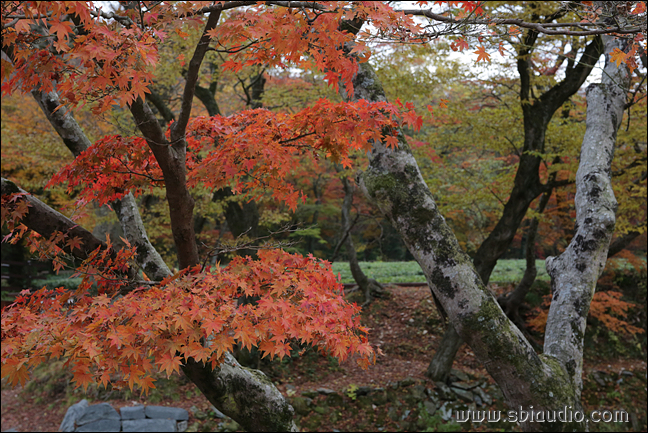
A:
(537, 113)
(548, 381)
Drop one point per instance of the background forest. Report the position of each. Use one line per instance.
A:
(467, 135)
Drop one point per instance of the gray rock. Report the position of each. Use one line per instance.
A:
(484, 396)
(363, 390)
(322, 410)
(182, 425)
(132, 412)
(379, 398)
(392, 413)
(364, 401)
(105, 424)
(97, 412)
(460, 375)
(302, 405)
(597, 378)
(325, 391)
(334, 399)
(465, 385)
(149, 425)
(199, 414)
(478, 400)
(73, 412)
(406, 382)
(496, 392)
(418, 392)
(430, 407)
(444, 391)
(446, 411)
(175, 413)
(466, 396)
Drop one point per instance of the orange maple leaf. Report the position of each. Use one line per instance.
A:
(169, 363)
(74, 242)
(482, 55)
(618, 56)
(82, 378)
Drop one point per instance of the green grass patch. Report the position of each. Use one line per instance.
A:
(506, 271)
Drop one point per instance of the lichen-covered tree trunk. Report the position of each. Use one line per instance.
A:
(537, 113)
(233, 389)
(547, 382)
(574, 273)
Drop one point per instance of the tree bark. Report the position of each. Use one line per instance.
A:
(511, 301)
(367, 285)
(574, 273)
(126, 208)
(527, 187)
(549, 381)
(45, 221)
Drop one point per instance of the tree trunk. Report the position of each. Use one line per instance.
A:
(527, 186)
(368, 286)
(574, 273)
(439, 369)
(511, 301)
(547, 382)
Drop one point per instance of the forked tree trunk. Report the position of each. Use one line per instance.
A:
(537, 114)
(547, 382)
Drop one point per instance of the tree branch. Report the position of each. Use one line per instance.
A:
(45, 221)
(126, 209)
(178, 128)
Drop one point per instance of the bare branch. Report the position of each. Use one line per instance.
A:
(179, 127)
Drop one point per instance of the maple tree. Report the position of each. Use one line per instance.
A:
(144, 318)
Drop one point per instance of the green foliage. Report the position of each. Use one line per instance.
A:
(61, 280)
(351, 391)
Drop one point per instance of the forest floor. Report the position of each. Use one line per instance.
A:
(405, 326)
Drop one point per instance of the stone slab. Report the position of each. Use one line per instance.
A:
(72, 414)
(132, 412)
(175, 413)
(97, 412)
(149, 425)
(107, 425)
